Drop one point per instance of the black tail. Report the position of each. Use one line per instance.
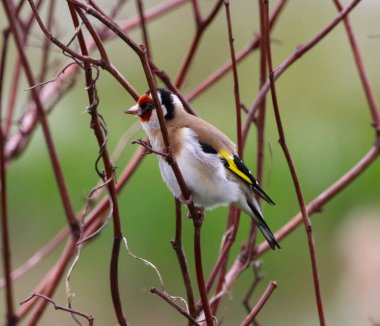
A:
(263, 227)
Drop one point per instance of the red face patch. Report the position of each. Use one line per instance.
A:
(146, 104)
(146, 116)
(144, 99)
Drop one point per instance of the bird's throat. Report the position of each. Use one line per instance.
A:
(146, 116)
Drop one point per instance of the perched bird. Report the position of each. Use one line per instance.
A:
(207, 158)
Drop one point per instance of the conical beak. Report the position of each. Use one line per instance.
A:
(133, 110)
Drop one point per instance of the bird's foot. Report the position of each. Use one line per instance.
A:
(199, 212)
(148, 148)
(184, 200)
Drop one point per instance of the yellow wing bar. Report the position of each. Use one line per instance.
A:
(233, 167)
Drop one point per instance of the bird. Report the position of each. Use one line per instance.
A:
(206, 157)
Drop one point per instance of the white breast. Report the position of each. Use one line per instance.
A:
(203, 173)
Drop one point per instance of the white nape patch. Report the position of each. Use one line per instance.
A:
(204, 174)
(177, 102)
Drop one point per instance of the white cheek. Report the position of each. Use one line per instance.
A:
(152, 124)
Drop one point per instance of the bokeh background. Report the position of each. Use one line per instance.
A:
(327, 124)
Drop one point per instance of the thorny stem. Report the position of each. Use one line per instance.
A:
(92, 224)
(373, 107)
(226, 249)
(260, 304)
(56, 91)
(300, 51)
(141, 52)
(114, 280)
(45, 127)
(234, 214)
(196, 216)
(260, 129)
(178, 248)
(222, 263)
(297, 186)
(17, 69)
(260, 122)
(57, 307)
(320, 200)
(140, 7)
(108, 166)
(236, 79)
(201, 26)
(49, 284)
(323, 198)
(5, 241)
(175, 306)
(250, 47)
(256, 265)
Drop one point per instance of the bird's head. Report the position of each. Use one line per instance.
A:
(145, 108)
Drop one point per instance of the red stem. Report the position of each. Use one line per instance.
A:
(260, 304)
(223, 255)
(49, 283)
(140, 8)
(297, 186)
(108, 166)
(236, 79)
(222, 71)
(323, 198)
(222, 262)
(201, 26)
(57, 307)
(114, 281)
(199, 272)
(178, 248)
(175, 306)
(374, 109)
(91, 225)
(17, 71)
(300, 51)
(5, 240)
(70, 216)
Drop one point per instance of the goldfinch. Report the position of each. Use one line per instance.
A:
(207, 158)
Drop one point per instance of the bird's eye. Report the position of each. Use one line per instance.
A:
(150, 106)
(147, 107)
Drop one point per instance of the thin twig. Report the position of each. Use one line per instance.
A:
(13, 94)
(5, 239)
(289, 160)
(140, 9)
(98, 128)
(232, 226)
(326, 196)
(260, 304)
(256, 266)
(174, 305)
(298, 53)
(201, 26)
(70, 216)
(49, 284)
(236, 79)
(177, 246)
(222, 256)
(373, 107)
(57, 307)
(250, 47)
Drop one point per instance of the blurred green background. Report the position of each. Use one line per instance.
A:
(328, 128)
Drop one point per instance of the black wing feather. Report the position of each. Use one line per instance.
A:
(242, 167)
(207, 148)
(255, 186)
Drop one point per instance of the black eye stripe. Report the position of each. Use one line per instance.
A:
(166, 100)
(147, 106)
